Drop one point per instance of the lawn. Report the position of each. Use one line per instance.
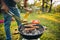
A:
(51, 21)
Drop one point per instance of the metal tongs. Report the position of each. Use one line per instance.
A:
(13, 15)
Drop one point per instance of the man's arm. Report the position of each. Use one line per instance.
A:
(4, 6)
(25, 3)
(25, 6)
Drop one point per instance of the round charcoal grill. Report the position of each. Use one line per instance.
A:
(34, 34)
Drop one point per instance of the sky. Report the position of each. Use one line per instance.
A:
(31, 1)
(56, 3)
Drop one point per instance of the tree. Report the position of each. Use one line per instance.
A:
(50, 6)
(42, 5)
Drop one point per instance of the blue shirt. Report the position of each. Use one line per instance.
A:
(10, 3)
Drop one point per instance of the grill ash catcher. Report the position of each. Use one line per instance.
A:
(29, 31)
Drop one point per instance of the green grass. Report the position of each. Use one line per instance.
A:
(51, 21)
(1, 16)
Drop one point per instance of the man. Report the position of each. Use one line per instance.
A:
(9, 5)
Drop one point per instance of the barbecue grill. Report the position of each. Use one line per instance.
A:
(32, 35)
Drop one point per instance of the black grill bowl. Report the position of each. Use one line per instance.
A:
(31, 36)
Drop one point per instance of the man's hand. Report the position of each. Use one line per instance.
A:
(4, 7)
(28, 9)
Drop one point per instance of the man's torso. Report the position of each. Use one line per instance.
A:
(10, 3)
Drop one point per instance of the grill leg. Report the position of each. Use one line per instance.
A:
(31, 39)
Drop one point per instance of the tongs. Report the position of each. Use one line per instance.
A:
(13, 15)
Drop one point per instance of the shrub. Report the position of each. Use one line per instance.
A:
(57, 8)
